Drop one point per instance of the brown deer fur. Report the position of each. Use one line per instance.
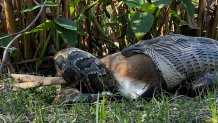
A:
(138, 67)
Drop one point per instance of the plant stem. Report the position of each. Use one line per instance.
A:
(42, 54)
(6, 52)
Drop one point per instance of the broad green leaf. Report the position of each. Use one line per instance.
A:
(189, 6)
(160, 3)
(69, 36)
(4, 42)
(66, 23)
(47, 4)
(149, 8)
(130, 35)
(134, 3)
(45, 25)
(141, 23)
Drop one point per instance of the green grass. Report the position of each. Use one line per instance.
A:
(35, 105)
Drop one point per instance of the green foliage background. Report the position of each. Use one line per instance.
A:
(106, 26)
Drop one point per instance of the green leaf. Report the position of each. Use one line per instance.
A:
(4, 42)
(134, 3)
(160, 3)
(149, 8)
(66, 23)
(189, 6)
(141, 23)
(45, 25)
(47, 4)
(68, 30)
(73, 4)
(13, 52)
(103, 113)
(69, 36)
(175, 15)
(50, 4)
(30, 9)
(88, 7)
(130, 35)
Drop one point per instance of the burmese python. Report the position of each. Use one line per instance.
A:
(179, 58)
(83, 71)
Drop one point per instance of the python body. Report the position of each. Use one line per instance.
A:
(143, 68)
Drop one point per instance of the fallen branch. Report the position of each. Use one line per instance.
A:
(5, 55)
(66, 95)
(31, 81)
(35, 60)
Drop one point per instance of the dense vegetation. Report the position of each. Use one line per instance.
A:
(100, 27)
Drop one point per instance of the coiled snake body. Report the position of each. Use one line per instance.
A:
(139, 69)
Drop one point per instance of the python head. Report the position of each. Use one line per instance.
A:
(83, 71)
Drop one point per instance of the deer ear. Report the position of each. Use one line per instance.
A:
(110, 60)
(104, 60)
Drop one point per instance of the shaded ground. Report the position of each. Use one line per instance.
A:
(36, 105)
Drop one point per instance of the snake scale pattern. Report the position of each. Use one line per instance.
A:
(179, 58)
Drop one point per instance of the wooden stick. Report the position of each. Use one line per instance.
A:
(31, 81)
(35, 60)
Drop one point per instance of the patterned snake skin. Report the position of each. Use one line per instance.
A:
(82, 70)
(179, 57)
